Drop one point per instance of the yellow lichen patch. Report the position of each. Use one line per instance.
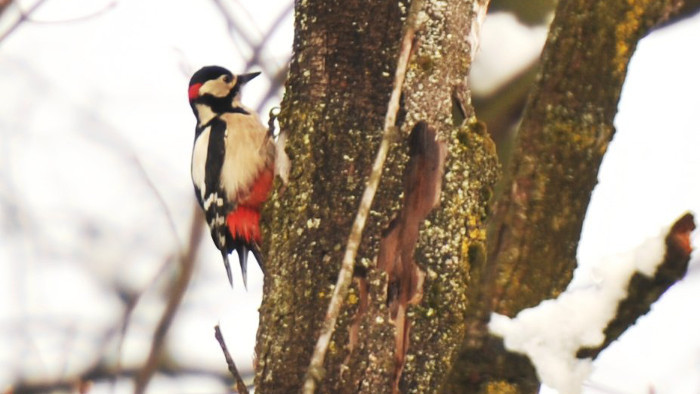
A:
(626, 32)
(464, 250)
(500, 387)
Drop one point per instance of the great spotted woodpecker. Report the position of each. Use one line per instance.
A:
(233, 163)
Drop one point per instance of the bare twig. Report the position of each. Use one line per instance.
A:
(276, 82)
(81, 18)
(22, 18)
(3, 5)
(131, 303)
(187, 259)
(111, 138)
(273, 70)
(240, 385)
(101, 372)
(25, 16)
(314, 373)
(257, 49)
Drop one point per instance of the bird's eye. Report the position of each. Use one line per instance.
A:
(227, 78)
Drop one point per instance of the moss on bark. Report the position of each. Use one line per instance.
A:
(565, 131)
(335, 100)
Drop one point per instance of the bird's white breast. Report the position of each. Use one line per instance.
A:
(247, 153)
(199, 161)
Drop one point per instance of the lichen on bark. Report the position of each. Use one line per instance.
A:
(332, 111)
(435, 84)
(566, 127)
(335, 99)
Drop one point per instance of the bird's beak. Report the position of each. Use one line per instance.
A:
(243, 78)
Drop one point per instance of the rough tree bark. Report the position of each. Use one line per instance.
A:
(566, 127)
(340, 78)
(400, 328)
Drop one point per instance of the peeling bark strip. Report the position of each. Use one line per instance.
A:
(422, 184)
(643, 291)
(450, 241)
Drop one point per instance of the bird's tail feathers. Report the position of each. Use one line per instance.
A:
(242, 248)
(228, 268)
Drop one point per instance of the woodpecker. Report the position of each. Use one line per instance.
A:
(233, 163)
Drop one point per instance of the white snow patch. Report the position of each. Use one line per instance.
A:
(551, 333)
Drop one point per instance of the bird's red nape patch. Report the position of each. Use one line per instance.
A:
(193, 92)
(244, 224)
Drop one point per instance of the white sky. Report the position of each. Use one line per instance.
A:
(81, 100)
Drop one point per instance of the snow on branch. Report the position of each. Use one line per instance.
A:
(561, 336)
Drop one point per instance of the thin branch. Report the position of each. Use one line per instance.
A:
(240, 385)
(231, 24)
(255, 46)
(102, 372)
(131, 303)
(314, 372)
(117, 142)
(3, 5)
(81, 18)
(688, 9)
(187, 260)
(276, 83)
(22, 18)
(257, 49)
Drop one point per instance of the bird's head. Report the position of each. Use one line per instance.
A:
(216, 89)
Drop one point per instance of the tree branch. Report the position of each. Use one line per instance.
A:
(565, 131)
(102, 372)
(187, 260)
(81, 18)
(688, 9)
(567, 125)
(24, 16)
(643, 291)
(588, 316)
(240, 385)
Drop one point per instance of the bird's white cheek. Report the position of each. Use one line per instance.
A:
(215, 87)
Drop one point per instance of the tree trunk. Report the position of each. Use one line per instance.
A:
(340, 80)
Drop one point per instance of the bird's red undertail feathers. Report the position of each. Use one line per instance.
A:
(244, 221)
